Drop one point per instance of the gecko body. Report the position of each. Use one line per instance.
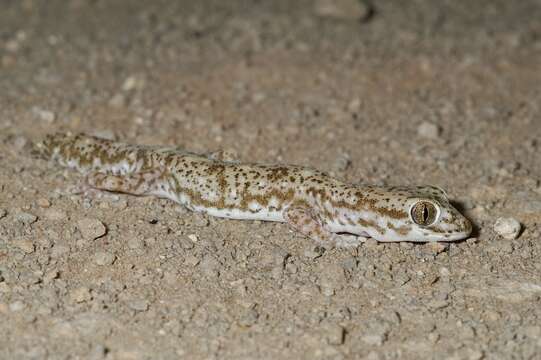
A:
(310, 201)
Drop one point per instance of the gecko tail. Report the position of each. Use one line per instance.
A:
(50, 145)
(87, 153)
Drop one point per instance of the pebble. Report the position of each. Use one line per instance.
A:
(134, 82)
(80, 294)
(200, 220)
(130, 83)
(437, 304)
(98, 352)
(25, 245)
(135, 243)
(371, 243)
(59, 250)
(104, 258)
(4, 288)
(192, 261)
(436, 247)
(474, 354)
(3, 213)
(508, 228)
(55, 214)
(91, 228)
(20, 142)
(342, 163)
(209, 266)
(429, 130)
(26, 218)
(138, 305)
(406, 245)
(280, 256)
(186, 243)
(44, 115)
(248, 318)
(50, 276)
(16, 306)
(374, 339)
(444, 272)
(335, 334)
(354, 105)
(342, 9)
(43, 202)
(313, 252)
(118, 100)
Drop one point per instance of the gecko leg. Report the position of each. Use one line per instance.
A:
(307, 223)
(140, 183)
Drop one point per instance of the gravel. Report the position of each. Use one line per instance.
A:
(91, 229)
(342, 9)
(104, 258)
(508, 228)
(383, 93)
(429, 130)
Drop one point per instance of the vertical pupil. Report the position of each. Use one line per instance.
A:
(425, 213)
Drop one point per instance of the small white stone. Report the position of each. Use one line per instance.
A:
(26, 218)
(354, 105)
(508, 228)
(104, 258)
(80, 294)
(91, 228)
(429, 130)
(45, 115)
(138, 305)
(444, 271)
(55, 214)
(374, 339)
(118, 100)
(135, 243)
(50, 276)
(130, 83)
(335, 334)
(371, 243)
(16, 306)
(25, 245)
(43, 202)
(200, 220)
(342, 9)
(191, 260)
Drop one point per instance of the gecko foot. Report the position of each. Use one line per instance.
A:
(307, 223)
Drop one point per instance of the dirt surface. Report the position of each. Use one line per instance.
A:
(418, 92)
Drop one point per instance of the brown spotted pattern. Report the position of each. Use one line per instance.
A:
(256, 191)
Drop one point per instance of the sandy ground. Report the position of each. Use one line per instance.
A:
(419, 92)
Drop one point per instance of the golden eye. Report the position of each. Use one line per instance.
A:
(424, 213)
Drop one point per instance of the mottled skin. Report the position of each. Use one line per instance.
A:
(312, 202)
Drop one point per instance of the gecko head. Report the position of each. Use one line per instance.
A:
(433, 218)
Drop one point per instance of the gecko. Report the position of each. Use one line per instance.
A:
(318, 206)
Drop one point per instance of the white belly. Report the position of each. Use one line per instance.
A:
(261, 214)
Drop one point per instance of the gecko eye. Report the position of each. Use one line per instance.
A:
(424, 213)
